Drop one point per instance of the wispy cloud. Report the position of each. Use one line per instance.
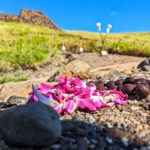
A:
(113, 13)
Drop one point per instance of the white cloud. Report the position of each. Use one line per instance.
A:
(113, 13)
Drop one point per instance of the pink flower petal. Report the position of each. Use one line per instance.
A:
(62, 80)
(92, 87)
(58, 108)
(45, 87)
(118, 101)
(124, 96)
(97, 103)
(79, 83)
(85, 103)
(108, 104)
(70, 106)
(32, 99)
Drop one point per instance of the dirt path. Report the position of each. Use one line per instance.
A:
(95, 61)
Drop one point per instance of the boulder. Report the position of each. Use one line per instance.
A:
(74, 67)
(34, 124)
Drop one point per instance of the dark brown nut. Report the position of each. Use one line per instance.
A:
(119, 82)
(148, 81)
(142, 90)
(110, 84)
(129, 88)
(140, 80)
(101, 82)
(146, 84)
(113, 87)
(100, 87)
(120, 88)
(129, 80)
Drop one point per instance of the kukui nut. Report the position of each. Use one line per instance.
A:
(128, 88)
(140, 80)
(120, 88)
(110, 84)
(142, 90)
(129, 80)
(119, 82)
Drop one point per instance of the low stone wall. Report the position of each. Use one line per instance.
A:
(9, 18)
(30, 17)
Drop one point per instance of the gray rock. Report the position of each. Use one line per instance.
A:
(144, 65)
(124, 141)
(114, 75)
(33, 124)
(2, 104)
(70, 57)
(14, 100)
(144, 62)
(55, 146)
(53, 75)
(109, 140)
(146, 68)
(90, 119)
(109, 125)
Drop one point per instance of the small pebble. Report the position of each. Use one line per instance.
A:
(135, 148)
(86, 139)
(109, 140)
(55, 146)
(144, 148)
(90, 119)
(92, 146)
(125, 141)
(72, 140)
(109, 125)
(94, 141)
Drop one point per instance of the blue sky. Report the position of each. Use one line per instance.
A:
(124, 15)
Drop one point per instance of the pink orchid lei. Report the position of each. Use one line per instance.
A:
(73, 93)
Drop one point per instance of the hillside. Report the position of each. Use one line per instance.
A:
(24, 46)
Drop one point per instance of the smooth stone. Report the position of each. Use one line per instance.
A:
(34, 124)
(14, 100)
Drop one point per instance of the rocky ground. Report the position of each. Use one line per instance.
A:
(119, 127)
(116, 128)
(93, 59)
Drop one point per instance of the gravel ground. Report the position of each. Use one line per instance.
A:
(115, 128)
(119, 127)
